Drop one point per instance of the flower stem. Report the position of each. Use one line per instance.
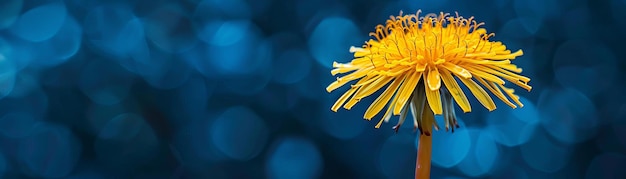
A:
(424, 148)
(422, 166)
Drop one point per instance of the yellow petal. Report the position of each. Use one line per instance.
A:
(420, 67)
(508, 76)
(359, 86)
(434, 100)
(480, 93)
(455, 90)
(383, 99)
(343, 80)
(343, 99)
(462, 72)
(508, 56)
(387, 114)
(359, 52)
(485, 75)
(496, 91)
(373, 87)
(434, 79)
(511, 94)
(343, 68)
(406, 90)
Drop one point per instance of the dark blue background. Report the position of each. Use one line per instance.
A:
(235, 89)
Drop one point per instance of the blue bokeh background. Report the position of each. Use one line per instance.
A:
(235, 89)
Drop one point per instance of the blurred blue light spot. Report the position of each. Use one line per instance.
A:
(618, 12)
(580, 64)
(277, 99)
(533, 16)
(512, 127)
(9, 12)
(62, 46)
(295, 158)
(312, 86)
(568, 115)
(397, 156)
(25, 83)
(223, 33)
(50, 151)
(512, 172)
(576, 22)
(331, 40)
(169, 29)
(226, 56)
(291, 66)
(31, 26)
(17, 51)
(105, 83)
(99, 115)
(608, 165)
(451, 148)
(3, 165)
(620, 133)
(426, 6)
(170, 73)
(254, 81)
(482, 156)
(487, 152)
(7, 76)
(85, 174)
(123, 127)
(114, 30)
(125, 142)
(543, 154)
(17, 124)
(239, 133)
(344, 124)
(193, 96)
(223, 8)
(514, 28)
(528, 113)
(34, 102)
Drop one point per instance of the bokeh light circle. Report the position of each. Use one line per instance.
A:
(60, 47)
(568, 115)
(115, 30)
(7, 76)
(31, 26)
(226, 40)
(608, 165)
(123, 127)
(344, 124)
(106, 86)
(239, 133)
(451, 148)
(17, 124)
(483, 155)
(223, 8)
(514, 28)
(291, 66)
(50, 151)
(331, 40)
(543, 154)
(397, 156)
(512, 127)
(580, 64)
(9, 12)
(126, 142)
(169, 28)
(294, 157)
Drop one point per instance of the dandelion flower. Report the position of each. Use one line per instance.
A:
(420, 60)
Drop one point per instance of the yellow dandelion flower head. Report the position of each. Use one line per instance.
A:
(412, 55)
